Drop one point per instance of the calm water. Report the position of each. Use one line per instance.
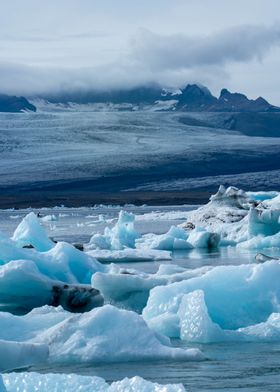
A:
(248, 367)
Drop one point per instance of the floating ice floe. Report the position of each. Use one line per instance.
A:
(224, 298)
(30, 382)
(63, 262)
(121, 236)
(61, 275)
(49, 218)
(129, 255)
(176, 238)
(130, 289)
(24, 287)
(105, 334)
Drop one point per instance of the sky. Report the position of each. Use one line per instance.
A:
(60, 45)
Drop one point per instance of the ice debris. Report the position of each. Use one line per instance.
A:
(121, 236)
(72, 383)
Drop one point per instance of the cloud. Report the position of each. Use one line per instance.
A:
(237, 44)
(149, 57)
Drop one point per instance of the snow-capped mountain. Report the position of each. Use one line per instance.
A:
(192, 98)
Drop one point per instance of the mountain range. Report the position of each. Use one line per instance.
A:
(192, 98)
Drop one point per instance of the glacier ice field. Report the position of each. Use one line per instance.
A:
(148, 298)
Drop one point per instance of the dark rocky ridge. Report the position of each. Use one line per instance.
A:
(192, 98)
(12, 104)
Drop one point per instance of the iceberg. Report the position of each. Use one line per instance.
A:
(60, 276)
(63, 262)
(175, 239)
(30, 232)
(105, 334)
(201, 238)
(196, 324)
(121, 236)
(227, 206)
(130, 289)
(72, 383)
(234, 218)
(235, 297)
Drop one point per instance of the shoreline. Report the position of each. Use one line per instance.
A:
(39, 199)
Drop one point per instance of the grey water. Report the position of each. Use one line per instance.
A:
(248, 367)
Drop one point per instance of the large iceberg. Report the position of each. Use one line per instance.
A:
(105, 334)
(31, 382)
(233, 296)
(238, 219)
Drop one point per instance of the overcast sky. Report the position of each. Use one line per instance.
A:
(72, 44)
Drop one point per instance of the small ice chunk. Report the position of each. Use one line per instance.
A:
(30, 232)
(121, 236)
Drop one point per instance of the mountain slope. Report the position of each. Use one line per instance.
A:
(14, 104)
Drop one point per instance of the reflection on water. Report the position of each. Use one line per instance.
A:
(249, 367)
